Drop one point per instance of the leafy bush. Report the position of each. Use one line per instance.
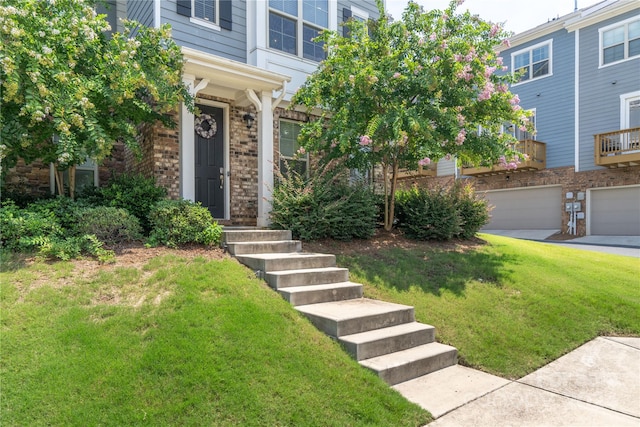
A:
(323, 205)
(440, 214)
(427, 215)
(473, 211)
(66, 211)
(135, 193)
(110, 225)
(178, 222)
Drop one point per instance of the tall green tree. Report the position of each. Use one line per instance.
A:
(401, 94)
(70, 90)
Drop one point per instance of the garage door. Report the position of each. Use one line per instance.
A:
(537, 208)
(615, 211)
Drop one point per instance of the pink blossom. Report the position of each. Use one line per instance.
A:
(516, 108)
(507, 43)
(515, 100)
(465, 73)
(462, 135)
(396, 75)
(448, 156)
(424, 162)
(512, 165)
(365, 140)
(460, 118)
(488, 71)
(459, 2)
(505, 68)
(471, 55)
(301, 150)
(502, 88)
(444, 44)
(334, 144)
(457, 57)
(432, 37)
(486, 92)
(445, 17)
(495, 29)
(420, 41)
(499, 60)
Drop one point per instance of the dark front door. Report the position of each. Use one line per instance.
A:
(209, 167)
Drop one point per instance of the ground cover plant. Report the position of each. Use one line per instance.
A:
(183, 337)
(509, 306)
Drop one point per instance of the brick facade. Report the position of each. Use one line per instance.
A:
(567, 177)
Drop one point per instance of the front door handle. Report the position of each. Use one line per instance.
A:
(221, 178)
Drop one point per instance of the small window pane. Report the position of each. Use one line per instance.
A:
(316, 12)
(286, 6)
(204, 9)
(634, 30)
(540, 69)
(612, 37)
(540, 53)
(312, 50)
(634, 47)
(289, 138)
(525, 75)
(613, 54)
(521, 60)
(282, 33)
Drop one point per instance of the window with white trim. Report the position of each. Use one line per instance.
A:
(620, 41)
(214, 14)
(86, 176)
(206, 10)
(289, 157)
(533, 62)
(294, 24)
(519, 134)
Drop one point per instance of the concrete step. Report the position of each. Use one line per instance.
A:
(353, 316)
(291, 261)
(254, 235)
(306, 277)
(375, 343)
(407, 364)
(280, 246)
(315, 294)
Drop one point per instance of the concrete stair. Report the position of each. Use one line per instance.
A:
(381, 336)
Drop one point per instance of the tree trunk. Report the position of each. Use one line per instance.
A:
(59, 179)
(72, 181)
(385, 174)
(392, 195)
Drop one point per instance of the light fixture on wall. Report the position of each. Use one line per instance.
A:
(507, 177)
(249, 119)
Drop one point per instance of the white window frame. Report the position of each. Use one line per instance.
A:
(530, 50)
(359, 13)
(205, 22)
(625, 101)
(300, 23)
(304, 158)
(601, 32)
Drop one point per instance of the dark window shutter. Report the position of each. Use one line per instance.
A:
(225, 14)
(184, 8)
(346, 15)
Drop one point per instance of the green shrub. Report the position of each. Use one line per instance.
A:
(473, 210)
(179, 222)
(110, 225)
(323, 205)
(19, 227)
(427, 215)
(135, 193)
(66, 210)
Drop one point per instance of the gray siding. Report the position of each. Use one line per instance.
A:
(141, 11)
(553, 98)
(599, 96)
(227, 44)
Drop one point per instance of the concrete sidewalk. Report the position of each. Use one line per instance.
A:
(597, 384)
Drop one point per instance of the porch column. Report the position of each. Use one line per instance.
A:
(265, 159)
(187, 141)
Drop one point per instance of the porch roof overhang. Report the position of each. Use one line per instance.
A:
(230, 79)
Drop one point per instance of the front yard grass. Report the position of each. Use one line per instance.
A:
(176, 342)
(510, 306)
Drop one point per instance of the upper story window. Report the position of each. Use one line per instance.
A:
(620, 41)
(533, 62)
(289, 156)
(215, 14)
(293, 24)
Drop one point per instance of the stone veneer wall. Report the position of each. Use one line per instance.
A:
(35, 178)
(567, 177)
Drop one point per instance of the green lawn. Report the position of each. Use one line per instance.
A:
(178, 342)
(510, 306)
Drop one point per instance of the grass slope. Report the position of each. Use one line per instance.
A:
(510, 306)
(177, 342)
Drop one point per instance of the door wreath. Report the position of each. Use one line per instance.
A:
(200, 130)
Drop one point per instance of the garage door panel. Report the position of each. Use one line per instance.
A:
(615, 211)
(525, 209)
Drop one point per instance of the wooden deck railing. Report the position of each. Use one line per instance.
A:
(536, 159)
(430, 170)
(619, 148)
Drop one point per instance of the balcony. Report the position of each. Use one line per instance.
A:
(431, 170)
(536, 159)
(618, 149)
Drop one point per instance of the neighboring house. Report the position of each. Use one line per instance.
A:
(243, 62)
(582, 82)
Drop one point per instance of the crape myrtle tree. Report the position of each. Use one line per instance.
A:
(399, 94)
(70, 90)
